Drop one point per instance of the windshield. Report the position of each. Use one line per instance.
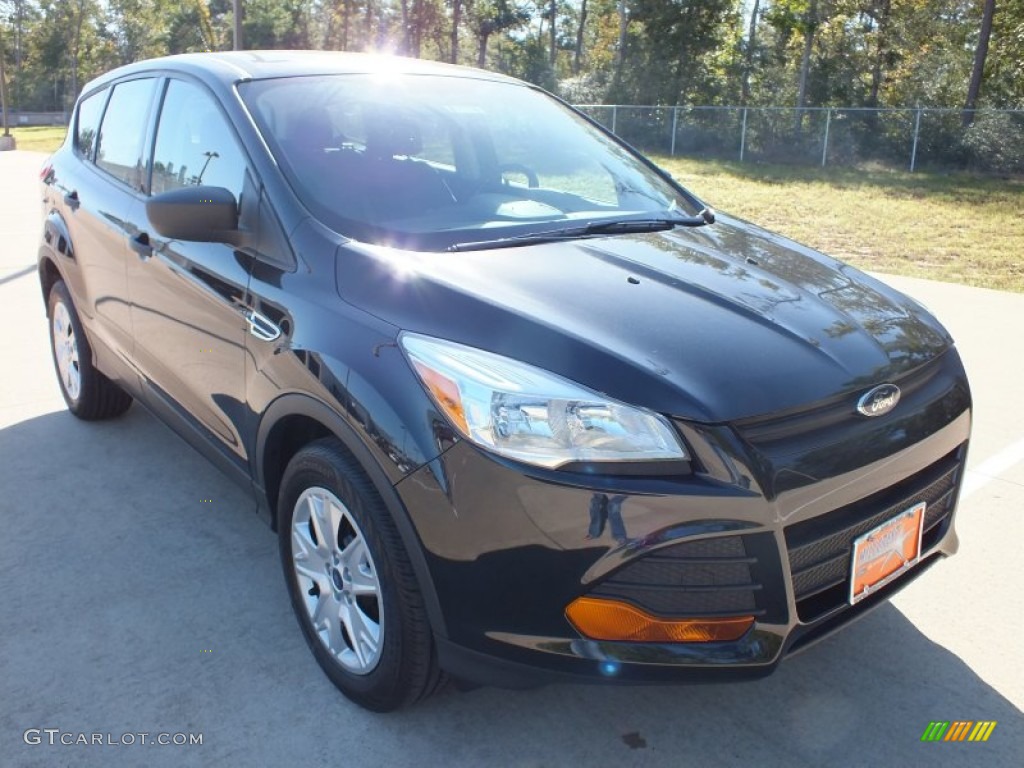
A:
(427, 161)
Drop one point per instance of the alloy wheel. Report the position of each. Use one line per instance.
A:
(65, 348)
(338, 580)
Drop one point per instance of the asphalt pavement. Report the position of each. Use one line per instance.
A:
(130, 604)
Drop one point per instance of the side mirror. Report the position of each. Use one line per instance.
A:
(206, 214)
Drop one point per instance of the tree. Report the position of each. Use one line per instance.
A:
(491, 17)
(21, 14)
(190, 28)
(69, 48)
(980, 54)
(810, 28)
(880, 13)
(276, 24)
(137, 28)
(676, 40)
(456, 21)
(3, 85)
(623, 14)
(1004, 66)
(748, 53)
(784, 52)
(553, 31)
(577, 60)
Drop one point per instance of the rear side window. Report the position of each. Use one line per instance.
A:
(87, 126)
(121, 140)
(195, 144)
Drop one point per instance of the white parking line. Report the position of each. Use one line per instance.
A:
(991, 468)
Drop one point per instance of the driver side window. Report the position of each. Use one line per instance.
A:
(195, 144)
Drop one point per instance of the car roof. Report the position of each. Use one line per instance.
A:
(229, 67)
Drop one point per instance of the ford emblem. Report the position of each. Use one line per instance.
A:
(879, 401)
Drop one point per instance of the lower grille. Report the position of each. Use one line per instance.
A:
(820, 549)
(722, 576)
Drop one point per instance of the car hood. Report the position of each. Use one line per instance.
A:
(712, 324)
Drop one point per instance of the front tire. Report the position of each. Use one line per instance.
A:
(88, 393)
(351, 583)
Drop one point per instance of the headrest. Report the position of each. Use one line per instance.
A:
(311, 128)
(391, 135)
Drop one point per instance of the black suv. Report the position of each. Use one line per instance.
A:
(519, 406)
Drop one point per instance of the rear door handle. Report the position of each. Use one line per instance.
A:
(140, 244)
(71, 200)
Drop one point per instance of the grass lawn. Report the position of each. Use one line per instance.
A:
(956, 227)
(39, 138)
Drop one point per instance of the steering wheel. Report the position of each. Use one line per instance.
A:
(531, 175)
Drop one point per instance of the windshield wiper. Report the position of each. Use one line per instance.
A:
(706, 216)
(594, 229)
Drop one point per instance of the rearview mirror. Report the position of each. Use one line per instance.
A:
(206, 214)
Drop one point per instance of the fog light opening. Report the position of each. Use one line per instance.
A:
(613, 620)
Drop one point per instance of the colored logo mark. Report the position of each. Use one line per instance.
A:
(958, 730)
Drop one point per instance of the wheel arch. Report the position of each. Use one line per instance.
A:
(49, 274)
(56, 242)
(293, 421)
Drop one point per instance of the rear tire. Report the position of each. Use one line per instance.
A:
(351, 583)
(88, 393)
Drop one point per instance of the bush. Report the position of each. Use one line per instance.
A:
(590, 88)
(995, 142)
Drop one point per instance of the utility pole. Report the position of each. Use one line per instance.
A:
(237, 12)
(6, 141)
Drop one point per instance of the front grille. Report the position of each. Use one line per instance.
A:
(820, 549)
(721, 576)
(824, 420)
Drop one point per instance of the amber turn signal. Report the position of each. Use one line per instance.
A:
(601, 619)
(446, 394)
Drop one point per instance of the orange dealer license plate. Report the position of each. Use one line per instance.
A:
(884, 553)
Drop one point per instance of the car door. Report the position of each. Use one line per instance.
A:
(96, 195)
(188, 298)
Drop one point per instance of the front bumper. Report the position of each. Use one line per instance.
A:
(763, 527)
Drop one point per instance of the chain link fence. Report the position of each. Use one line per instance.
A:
(914, 139)
(15, 119)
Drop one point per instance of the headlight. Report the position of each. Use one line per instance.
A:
(528, 414)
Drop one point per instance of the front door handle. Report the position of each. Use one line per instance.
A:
(141, 245)
(261, 327)
(71, 200)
